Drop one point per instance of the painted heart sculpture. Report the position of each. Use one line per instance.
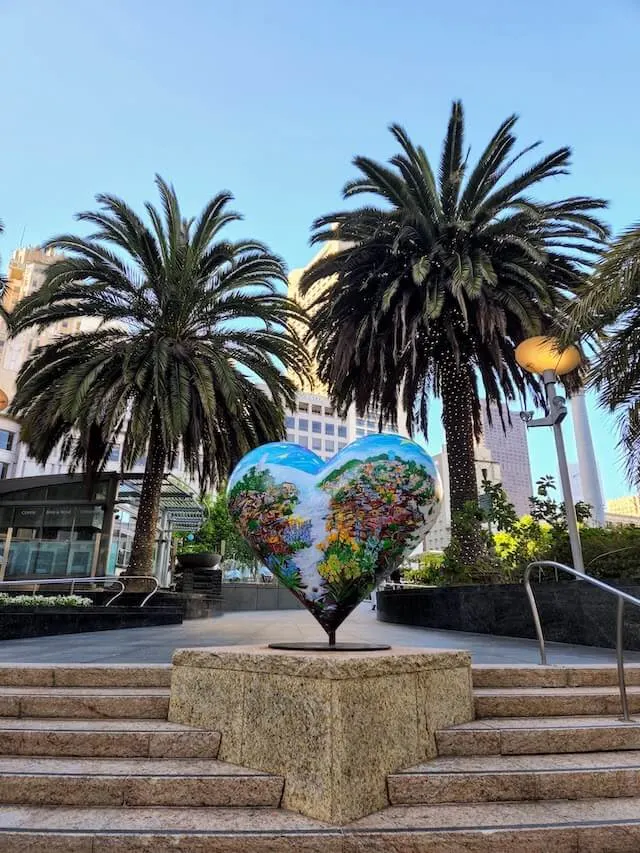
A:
(331, 531)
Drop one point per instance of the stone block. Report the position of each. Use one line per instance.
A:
(333, 724)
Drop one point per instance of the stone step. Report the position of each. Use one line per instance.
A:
(490, 778)
(85, 675)
(589, 826)
(538, 735)
(552, 701)
(581, 826)
(512, 675)
(105, 738)
(85, 702)
(138, 782)
(192, 830)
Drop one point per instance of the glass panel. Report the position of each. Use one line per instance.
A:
(341, 445)
(303, 407)
(290, 435)
(329, 445)
(6, 439)
(67, 492)
(290, 422)
(359, 431)
(50, 558)
(4, 470)
(316, 444)
(316, 426)
(37, 494)
(316, 410)
(328, 412)
(342, 432)
(303, 441)
(329, 429)
(303, 425)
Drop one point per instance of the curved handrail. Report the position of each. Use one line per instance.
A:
(72, 582)
(104, 580)
(622, 598)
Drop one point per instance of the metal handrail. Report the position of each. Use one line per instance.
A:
(622, 598)
(103, 580)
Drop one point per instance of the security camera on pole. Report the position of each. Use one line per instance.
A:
(541, 355)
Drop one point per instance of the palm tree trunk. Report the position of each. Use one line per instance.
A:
(141, 562)
(457, 419)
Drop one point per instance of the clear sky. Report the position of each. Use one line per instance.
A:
(272, 98)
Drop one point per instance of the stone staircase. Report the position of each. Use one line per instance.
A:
(89, 764)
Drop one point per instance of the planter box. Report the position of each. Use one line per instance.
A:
(41, 622)
(570, 612)
(258, 596)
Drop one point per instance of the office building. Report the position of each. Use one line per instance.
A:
(508, 447)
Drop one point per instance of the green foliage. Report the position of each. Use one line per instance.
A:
(545, 509)
(427, 571)
(501, 513)
(35, 601)
(609, 312)
(188, 320)
(483, 567)
(217, 527)
(437, 275)
(610, 553)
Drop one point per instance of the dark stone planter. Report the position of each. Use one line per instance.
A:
(41, 622)
(258, 596)
(204, 560)
(570, 612)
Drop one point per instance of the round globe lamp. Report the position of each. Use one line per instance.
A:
(539, 354)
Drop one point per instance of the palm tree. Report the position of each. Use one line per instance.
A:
(186, 321)
(436, 281)
(609, 314)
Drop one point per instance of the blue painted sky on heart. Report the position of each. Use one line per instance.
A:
(273, 99)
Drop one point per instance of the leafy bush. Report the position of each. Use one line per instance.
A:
(32, 601)
(427, 571)
(610, 553)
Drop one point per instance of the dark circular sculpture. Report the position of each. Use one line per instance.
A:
(328, 647)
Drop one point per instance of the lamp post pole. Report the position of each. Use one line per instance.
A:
(557, 413)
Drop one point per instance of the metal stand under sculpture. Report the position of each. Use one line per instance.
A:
(330, 532)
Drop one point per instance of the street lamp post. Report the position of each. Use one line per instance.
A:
(540, 355)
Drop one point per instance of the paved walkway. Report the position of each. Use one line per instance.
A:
(156, 645)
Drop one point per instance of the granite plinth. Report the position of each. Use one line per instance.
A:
(334, 725)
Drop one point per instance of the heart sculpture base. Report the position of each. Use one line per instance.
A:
(330, 647)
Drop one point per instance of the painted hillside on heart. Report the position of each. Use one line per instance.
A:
(330, 532)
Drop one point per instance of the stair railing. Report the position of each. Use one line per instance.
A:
(104, 580)
(622, 597)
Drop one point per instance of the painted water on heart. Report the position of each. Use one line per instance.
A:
(331, 531)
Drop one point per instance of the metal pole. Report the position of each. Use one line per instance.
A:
(565, 479)
(624, 704)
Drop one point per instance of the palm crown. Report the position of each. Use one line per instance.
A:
(609, 314)
(186, 322)
(431, 289)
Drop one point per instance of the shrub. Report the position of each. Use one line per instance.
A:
(427, 571)
(32, 601)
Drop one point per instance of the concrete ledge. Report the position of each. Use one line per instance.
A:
(333, 724)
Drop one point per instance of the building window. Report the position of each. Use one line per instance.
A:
(316, 426)
(371, 425)
(316, 444)
(303, 441)
(6, 439)
(341, 445)
(330, 446)
(291, 436)
(342, 432)
(359, 422)
(303, 407)
(114, 454)
(329, 429)
(4, 470)
(289, 422)
(359, 431)
(303, 425)
(328, 411)
(316, 410)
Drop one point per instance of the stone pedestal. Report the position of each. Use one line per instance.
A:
(333, 724)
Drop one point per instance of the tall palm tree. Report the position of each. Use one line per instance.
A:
(609, 314)
(436, 281)
(187, 321)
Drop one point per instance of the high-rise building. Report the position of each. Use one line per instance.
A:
(508, 447)
(487, 468)
(627, 505)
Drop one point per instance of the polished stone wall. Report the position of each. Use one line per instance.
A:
(570, 612)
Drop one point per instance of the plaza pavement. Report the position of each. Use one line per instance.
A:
(157, 644)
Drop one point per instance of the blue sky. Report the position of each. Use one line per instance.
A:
(272, 98)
